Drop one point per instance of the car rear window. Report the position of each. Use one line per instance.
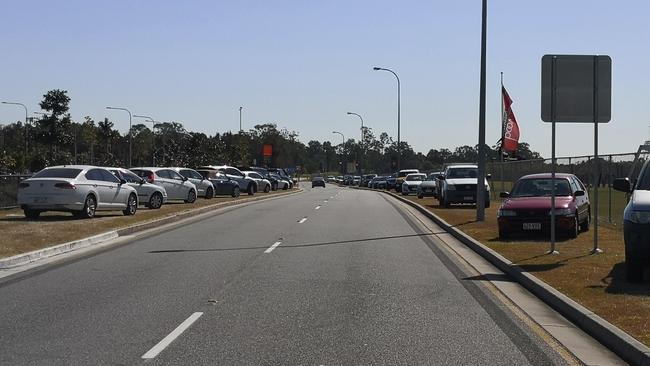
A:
(58, 173)
(141, 173)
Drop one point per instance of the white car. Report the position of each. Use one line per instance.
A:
(263, 184)
(458, 185)
(412, 182)
(80, 189)
(177, 186)
(204, 187)
(150, 195)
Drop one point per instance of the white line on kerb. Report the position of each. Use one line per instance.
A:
(270, 249)
(171, 337)
(317, 208)
(302, 220)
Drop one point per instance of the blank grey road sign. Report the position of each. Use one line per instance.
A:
(574, 78)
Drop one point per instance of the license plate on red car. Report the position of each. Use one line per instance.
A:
(532, 226)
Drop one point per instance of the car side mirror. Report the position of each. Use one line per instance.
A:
(623, 185)
(184, 179)
(142, 181)
(122, 181)
(504, 194)
(579, 193)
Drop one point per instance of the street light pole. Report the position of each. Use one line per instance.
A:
(25, 134)
(240, 108)
(480, 186)
(399, 144)
(342, 149)
(153, 137)
(130, 134)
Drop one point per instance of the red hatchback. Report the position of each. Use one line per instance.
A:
(527, 208)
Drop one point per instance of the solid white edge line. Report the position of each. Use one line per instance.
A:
(153, 352)
(270, 249)
(302, 220)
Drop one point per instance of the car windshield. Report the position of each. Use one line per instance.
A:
(70, 173)
(129, 177)
(415, 177)
(540, 188)
(462, 173)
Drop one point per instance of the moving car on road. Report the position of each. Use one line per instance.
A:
(636, 224)
(150, 195)
(527, 208)
(204, 187)
(458, 185)
(318, 182)
(412, 182)
(176, 186)
(80, 189)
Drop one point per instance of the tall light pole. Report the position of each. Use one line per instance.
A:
(399, 144)
(25, 134)
(130, 134)
(240, 108)
(153, 137)
(480, 187)
(342, 149)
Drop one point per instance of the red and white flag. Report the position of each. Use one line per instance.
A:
(511, 128)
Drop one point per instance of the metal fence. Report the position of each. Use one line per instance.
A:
(9, 190)
(611, 202)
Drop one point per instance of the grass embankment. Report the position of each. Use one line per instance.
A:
(19, 235)
(595, 281)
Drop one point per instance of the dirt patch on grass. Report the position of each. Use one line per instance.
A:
(19, 235)
(595, 281)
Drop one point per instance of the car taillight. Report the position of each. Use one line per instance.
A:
(65, 185)
(23, 185)
(150, 178)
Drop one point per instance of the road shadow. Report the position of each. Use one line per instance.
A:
(492, 277)
(615, 283)
(63, 216)
(287, 246)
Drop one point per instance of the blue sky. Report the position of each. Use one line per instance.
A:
(304, 64)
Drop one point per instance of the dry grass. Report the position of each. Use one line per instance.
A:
(19, 235)
(595, 281)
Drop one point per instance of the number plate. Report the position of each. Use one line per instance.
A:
(532, 226)
(468, 198)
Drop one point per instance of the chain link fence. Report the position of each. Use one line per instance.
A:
(611, 202)
(9, 190)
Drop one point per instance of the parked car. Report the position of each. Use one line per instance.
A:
(339, 179)
(176, 186)
(636, 224)
(150, 195)
(265, 175)
(204, 187)
(380, 182)
(283, 173)
(245, 184)
(391, 181)
(263, 184)
(401, 175)
(223, 186)
(365, 179)
(281, 183)
(412, 182)
(459, 185)
(428, 187)
(347, 180)
(331, 179)
(79, 189)
(355, 180)
(317, 182)
(528, 207)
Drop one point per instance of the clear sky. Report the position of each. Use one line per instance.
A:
(304, 64)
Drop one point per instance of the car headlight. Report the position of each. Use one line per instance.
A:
(451, 187)
(637, 217)
(562, 212)
(506, 213)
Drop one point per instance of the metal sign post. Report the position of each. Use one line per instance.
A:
(576, 88)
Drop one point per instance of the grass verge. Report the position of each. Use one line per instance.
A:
(20, 235)
(595, 281)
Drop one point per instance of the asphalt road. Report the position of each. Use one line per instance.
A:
(352, 281)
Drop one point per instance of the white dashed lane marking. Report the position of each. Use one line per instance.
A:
(302, 220)
(171, 337)
(270, 249)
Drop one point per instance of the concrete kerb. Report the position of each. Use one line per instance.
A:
(621, 343)
(33, 256)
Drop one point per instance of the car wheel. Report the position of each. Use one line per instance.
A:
(155, 201)
(267, 188)
(420, 195)
(31, 214)
(235, 191)
(405, 193)
(274, 186)
(285, 187)
(633, 271)
(90, 207)
(584, 226)
(573, 232)
(191, 196)
(209, 193)
(251, 190)
(131, 206)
